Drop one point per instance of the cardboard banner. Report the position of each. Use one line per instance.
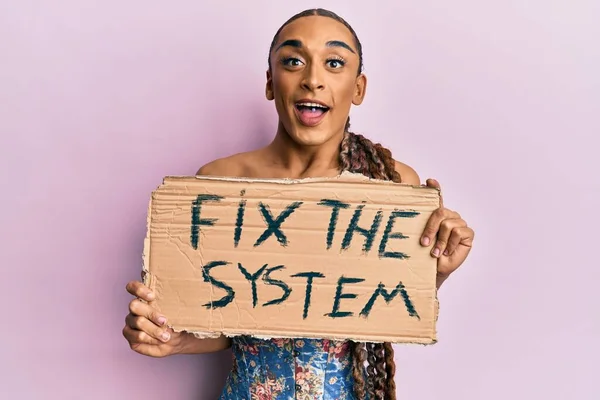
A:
(331, 258)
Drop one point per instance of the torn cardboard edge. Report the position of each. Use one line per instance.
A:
(232, 334)
(346, 177)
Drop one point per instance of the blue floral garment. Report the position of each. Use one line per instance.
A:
(289, 369)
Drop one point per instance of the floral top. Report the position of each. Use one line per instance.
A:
(289, 369)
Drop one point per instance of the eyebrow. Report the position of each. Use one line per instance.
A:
(332, 43)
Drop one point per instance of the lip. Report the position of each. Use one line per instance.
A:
(310, 122)
(312, 101)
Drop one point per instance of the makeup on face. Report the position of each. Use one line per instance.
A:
(314, 78)
(310, 111)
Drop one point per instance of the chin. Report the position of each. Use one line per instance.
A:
(313, 136)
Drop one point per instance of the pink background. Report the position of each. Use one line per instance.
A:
(498, 100)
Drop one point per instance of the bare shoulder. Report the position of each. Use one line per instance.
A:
(408, 174)
(235, 165)
(225, 166)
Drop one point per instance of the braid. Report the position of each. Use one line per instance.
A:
(359, 155)
(373, 163)
(380, 380)
(371, 370)
(390, 371)
(360, 356)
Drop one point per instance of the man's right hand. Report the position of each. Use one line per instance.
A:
(146, 330)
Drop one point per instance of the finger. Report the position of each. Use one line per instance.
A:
(148, 327)
(432, 183)
(138, 308)
(137, 337)
(138, 289)
(433, 224)
(447, 227)
(461, 235)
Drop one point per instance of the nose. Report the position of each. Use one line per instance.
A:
(313, 79)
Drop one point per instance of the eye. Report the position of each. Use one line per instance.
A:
(335, 63)
(291, 62)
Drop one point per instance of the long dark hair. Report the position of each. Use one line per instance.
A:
(359, 155)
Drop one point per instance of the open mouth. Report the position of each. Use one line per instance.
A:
(310, 114)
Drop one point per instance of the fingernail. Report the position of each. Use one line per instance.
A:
(436, 252)
(165, 336)
(162, 320)
(150, 296)
(446, 252)
(425, 241)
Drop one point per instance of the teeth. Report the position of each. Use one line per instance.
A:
(313, 105)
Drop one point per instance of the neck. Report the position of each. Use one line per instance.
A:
(301, 161)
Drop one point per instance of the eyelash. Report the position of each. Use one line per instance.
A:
(285, 60)
(337, 59)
